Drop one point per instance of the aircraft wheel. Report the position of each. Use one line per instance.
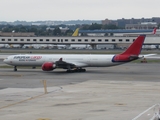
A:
(69, 71)
(77, 70)
(15, 68)
(82, 70)
(34, 67)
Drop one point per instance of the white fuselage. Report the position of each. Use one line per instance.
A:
(81, 60)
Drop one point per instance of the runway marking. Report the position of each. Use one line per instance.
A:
(43, 119)
(28, 99)
(144, 112)
(21, 101)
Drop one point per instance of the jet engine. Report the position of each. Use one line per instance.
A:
(48, 66)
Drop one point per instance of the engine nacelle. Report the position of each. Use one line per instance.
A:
(48, 66)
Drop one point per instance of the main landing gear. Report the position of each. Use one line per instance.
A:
(15, 68)
(76, 70)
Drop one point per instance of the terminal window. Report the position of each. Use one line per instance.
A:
(127, 40)
(41, 40)
(113, 40)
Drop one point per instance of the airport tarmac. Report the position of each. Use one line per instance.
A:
(111, 93)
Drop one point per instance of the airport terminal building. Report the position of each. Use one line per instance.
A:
(116, 37)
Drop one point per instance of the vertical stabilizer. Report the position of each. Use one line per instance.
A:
(76, 32)
(154, 31)
(133, 51)
(135, 47)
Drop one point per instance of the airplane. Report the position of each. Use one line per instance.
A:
(137, 34)
(77, 62)
(154, 31)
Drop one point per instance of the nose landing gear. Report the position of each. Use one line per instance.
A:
(15, 68)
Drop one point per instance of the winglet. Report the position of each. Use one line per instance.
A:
(75, 32)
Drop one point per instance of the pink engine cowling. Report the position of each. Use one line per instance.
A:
(48, 66)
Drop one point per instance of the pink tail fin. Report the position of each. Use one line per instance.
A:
(154, 31)
(132, 52)
(135, 47)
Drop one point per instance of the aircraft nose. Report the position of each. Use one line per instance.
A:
(5, 60)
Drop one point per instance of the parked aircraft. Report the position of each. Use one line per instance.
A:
(154, 31)
(136, 34)
(77, 62)
(75, 32)
(79, 46)
(2, 46)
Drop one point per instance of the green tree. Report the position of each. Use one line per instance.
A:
(69, 33)
(110, 26)
(57, 32)
(95, 26)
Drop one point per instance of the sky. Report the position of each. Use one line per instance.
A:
(41, 10)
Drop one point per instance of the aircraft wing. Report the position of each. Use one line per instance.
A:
(69, 64)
